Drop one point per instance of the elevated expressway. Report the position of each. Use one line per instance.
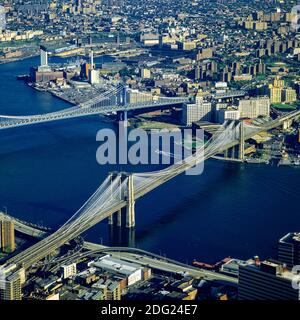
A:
(142, 257)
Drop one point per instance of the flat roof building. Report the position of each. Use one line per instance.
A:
(199, 111)
(267, 280)
(132, 271)
(289, 249)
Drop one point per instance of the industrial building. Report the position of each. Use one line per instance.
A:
(132, 272)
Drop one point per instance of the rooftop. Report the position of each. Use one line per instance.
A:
(292, 237)
(281, 271)
(116, 265)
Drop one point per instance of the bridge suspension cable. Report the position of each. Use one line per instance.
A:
(112, 193)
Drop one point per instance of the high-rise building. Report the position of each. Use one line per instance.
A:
(266, 280)
(11, 283)
(261, 68)
(7, 236)
(92, 60)
(44, 56)
(297, 88)
(289, 95)
(275, 16)
(199, 111)
(275, 94)
(255, 107)
(278, 83)
(289, 249)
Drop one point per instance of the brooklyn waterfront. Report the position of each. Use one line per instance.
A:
(49, 170)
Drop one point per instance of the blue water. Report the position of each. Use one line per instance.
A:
(47, 171)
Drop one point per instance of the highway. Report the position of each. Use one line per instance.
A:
(133, 255)
(157, 262)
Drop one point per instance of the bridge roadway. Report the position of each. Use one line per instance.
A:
(230, 94)
(133, 255)
(25, 227)
(57, 239)
(80, 111)
(105, 103)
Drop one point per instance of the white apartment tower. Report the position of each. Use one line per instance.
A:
(201, 110)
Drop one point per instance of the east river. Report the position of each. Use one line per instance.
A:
(48, 171)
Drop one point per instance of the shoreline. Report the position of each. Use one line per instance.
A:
(18, 59)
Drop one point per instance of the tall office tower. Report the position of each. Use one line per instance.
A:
(11, 288)
(43, 56)
(11, 281)
(7, 236)
(289, 249)
(205, 53)
(267, 281)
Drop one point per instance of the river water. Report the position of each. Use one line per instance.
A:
(48, 171)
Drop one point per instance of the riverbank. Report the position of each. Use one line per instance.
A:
(18, 59)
